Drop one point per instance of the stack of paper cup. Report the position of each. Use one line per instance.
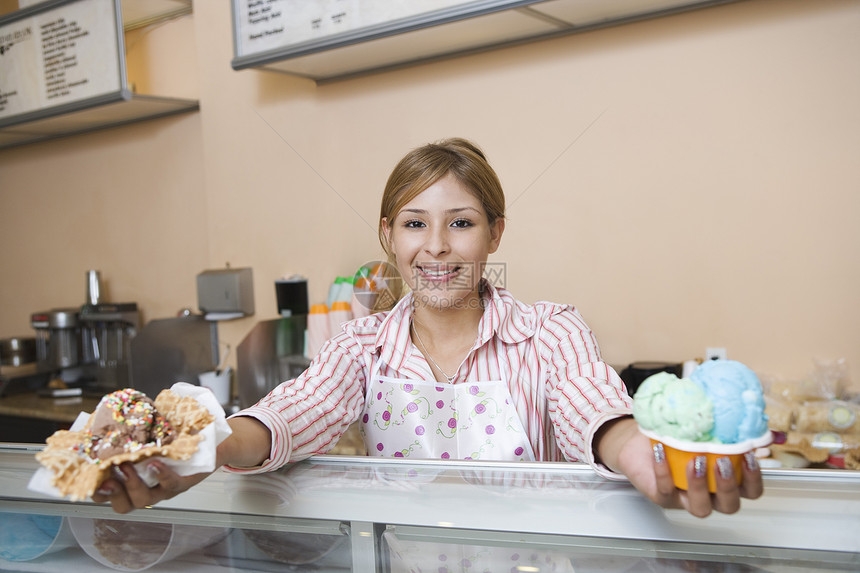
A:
(340, 313)
(318, 329)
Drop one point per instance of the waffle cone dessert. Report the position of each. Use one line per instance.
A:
(126, 426)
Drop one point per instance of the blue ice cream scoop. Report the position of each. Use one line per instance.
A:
(738, 400)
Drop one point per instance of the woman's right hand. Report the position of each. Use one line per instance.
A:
(126, 491)
(247, 446)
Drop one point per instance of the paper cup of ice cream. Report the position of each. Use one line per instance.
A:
(24, 537)
(680, 453)
(717, 413)
(137, 546)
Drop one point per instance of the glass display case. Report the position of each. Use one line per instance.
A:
(343, 513)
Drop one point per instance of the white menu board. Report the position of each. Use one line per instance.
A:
(59, 56)
(263, 25)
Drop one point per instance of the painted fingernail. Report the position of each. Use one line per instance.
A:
(154, 468)
(724, 466)
(751, 461)
(105, 490)
(659, 453)
(119, 474)
(700, 466)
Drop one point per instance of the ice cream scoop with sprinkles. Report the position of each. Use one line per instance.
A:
(125, 421)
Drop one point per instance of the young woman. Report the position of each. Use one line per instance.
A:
(457, 368)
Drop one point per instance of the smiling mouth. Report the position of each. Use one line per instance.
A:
(438, 273)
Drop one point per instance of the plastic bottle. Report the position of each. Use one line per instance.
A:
(318, 329)
(344, 292)
(333, 290)
(340, 312)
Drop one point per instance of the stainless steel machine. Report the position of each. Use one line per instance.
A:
(169, 350)
(271, 353)
(274, 350)
(107, 331)
(87, 346)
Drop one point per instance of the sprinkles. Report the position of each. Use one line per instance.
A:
(124, 421)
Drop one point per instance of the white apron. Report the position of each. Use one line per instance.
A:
(435, 420)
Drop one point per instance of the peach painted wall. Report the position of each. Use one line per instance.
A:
(686, 182)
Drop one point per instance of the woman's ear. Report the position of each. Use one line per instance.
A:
(386, 232)
(496, 230)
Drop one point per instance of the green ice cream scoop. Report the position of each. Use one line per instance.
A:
(674, 407)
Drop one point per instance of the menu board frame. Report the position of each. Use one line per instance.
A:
(351, 38)
(370, 28)
(101, 91)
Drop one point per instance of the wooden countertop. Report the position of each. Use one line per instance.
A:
(31, 405)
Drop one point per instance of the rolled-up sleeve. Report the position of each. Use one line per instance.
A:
(307, 415)
(583, 392)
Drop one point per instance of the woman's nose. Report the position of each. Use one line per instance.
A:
(437, 242)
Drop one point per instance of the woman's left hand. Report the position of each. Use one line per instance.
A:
(623, 448)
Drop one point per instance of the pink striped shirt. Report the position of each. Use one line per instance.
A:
(561, 389)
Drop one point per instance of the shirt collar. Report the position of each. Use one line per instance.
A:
(504, 317)
(392, 338)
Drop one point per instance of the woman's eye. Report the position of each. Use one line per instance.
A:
(413, 224)
(461, 223)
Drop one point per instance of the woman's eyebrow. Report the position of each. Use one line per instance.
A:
(461, 209)
(447, 211)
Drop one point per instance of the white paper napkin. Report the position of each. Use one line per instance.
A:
(203, 460)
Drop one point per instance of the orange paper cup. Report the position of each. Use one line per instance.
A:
(680, 453)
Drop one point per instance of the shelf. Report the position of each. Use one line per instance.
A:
(127, 108)
(78, 46)
(326, 41)
(140, 13)
(136, 13)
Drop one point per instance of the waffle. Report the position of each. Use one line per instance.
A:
(76, 475)
(183, 411)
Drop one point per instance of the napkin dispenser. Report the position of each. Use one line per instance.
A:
(226, 292)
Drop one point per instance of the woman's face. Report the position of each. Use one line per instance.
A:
(441, 240)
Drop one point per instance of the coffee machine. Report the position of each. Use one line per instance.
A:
(58, 338)
(87, 346)
(107, 330)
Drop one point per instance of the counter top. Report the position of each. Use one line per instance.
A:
(801, 509)
(806, 521)
(31, 405)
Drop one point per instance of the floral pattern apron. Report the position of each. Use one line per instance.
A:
(434, 420)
